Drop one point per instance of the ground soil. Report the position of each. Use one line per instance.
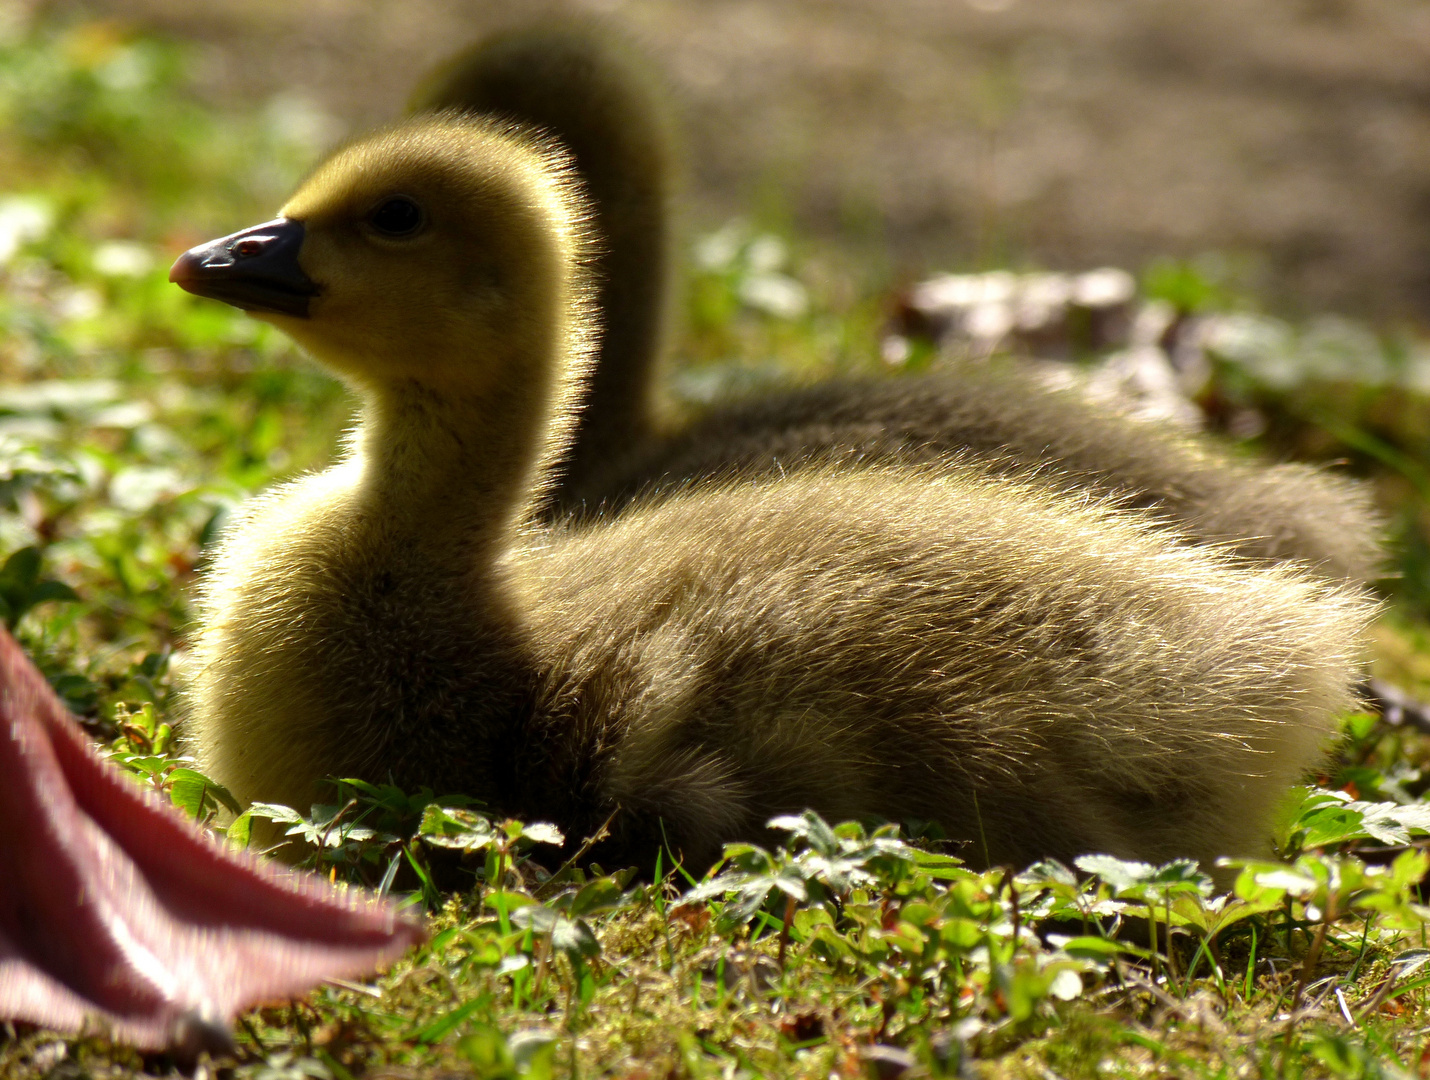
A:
(1291, 134)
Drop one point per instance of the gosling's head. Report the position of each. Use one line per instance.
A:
(440, 252)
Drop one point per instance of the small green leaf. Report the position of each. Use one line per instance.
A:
(1088, 947)
(284, 815)
(941, 867)
(1359, 725)
(47, 591)
(1049, 871)
(189, 789)
(806, 920)
(513, 963)
(534, 1053)
(1286, 880)
(536, 917)
(144, 764)
(789, 882)
(1119, 873)
(601, 894)
(827, 942)
(240, 831)
(440, 1028)
(462, 830)
(574, 938)
(188, 794)
(21, 570)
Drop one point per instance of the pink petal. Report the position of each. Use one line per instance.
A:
(117, 912)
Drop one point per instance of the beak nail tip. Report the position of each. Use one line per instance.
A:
(266, 280)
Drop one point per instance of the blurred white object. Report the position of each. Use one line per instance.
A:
(1103, 288)
(1142, 381)
(123, 258)
(775, 294)
(23, 219)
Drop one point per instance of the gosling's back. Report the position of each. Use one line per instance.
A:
(1042, 678)
(1203, 490)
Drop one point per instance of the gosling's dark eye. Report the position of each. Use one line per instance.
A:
(397, 216)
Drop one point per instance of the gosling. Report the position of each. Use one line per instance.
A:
(606, 106)
(588, 88)
(1041, 674)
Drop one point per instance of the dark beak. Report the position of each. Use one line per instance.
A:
(256, 269)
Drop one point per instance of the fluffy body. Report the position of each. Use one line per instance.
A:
(599, 100)
(1043, 674)
(1048, 678)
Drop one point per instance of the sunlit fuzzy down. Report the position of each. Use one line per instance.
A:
(1041, 673)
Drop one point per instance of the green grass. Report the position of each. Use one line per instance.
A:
(134, 417)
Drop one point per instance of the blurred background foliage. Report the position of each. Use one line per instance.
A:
(132, 416)
(1293, 134)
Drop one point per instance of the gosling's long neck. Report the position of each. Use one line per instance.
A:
(633, 298)
(454, 472)
(596, 96)
(447, 479)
